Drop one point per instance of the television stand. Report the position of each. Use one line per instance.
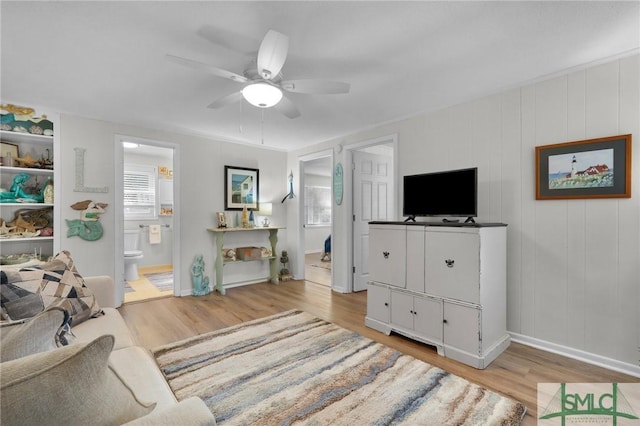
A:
(445, 220)
(411, 218)
(470, 220)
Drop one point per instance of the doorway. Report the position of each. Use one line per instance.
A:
(317, 215)
(374, 198)
(147, 225)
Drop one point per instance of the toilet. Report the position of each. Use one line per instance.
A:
(131, 254)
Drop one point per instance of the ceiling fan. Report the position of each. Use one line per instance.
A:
(263, 83)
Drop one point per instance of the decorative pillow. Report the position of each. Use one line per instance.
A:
(30, 290)
(36, 335)
(63, 286)
(73, 385)
(20, 294)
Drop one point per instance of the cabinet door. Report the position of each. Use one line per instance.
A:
(388, 254)
(428, 318)
(462, 327)
(378, 302)
(166, 191)
(402, 309)
(452, 265)
(415, 258)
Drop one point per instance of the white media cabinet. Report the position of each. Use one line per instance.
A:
(441, 284)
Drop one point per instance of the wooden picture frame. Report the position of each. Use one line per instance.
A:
(593, 168)
(241, 188)
(9, 148)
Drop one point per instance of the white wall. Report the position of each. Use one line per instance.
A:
(573, 265)
(202, 193)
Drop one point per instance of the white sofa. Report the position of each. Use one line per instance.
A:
(134, 365)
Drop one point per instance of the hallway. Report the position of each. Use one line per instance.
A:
(316, 270)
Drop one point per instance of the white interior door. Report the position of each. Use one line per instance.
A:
(372, 200)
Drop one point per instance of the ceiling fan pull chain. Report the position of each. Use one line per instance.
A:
(262, 125)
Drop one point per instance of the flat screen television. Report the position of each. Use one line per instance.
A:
(451, 193)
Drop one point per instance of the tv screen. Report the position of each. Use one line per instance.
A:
(447, 193)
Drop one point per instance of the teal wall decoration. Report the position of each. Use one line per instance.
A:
(88, 227)
(338, 183)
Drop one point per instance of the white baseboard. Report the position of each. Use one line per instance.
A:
(189, 292)
(588, 357)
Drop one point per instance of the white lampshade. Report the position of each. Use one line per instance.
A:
(262, 95)
(266, 209)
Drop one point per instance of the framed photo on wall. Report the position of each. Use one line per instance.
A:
(594, 168)
(241, 188)
(7, 149)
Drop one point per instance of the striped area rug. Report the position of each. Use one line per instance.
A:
(163, 281)
(293, 368)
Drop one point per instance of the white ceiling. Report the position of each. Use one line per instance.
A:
(106, 60)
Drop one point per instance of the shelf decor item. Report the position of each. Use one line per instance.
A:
(222, 220)
(9, 150)
(241, 188)
(17, 194)
(594, 168)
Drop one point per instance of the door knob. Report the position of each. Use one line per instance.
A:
(385, 254)
(449, 263)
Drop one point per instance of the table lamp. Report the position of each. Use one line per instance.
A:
(266, 209)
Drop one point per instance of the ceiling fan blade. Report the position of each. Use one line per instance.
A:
(231, 40)
(226, 100)
(207, 68)
(272, 54)
(287, 108)
(315, 87)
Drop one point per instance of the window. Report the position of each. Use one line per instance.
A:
(140, 200)
(317, 205)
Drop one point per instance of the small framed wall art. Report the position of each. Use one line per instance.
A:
(9, 149)
(241, 188)
(594, 168)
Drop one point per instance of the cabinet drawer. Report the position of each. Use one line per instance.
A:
(388, 254)
(461, 327)
(428, 321)
(452, 265)
(378, 302)
(402, 309)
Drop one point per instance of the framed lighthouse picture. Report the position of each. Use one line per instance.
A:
(594, 168)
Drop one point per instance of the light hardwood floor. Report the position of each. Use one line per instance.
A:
(515, 373)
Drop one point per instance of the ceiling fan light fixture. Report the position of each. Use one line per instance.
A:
(262, 95)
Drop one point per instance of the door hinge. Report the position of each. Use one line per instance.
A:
(354, 269)
(354, 217)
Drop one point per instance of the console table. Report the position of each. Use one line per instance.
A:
(220, 261)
